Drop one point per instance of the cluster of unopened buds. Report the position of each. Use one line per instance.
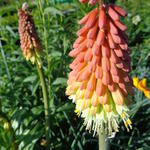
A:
(30, 42)
(99, 83)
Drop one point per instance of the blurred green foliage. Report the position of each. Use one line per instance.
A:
(21, 104)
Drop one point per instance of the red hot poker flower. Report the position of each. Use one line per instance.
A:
(99, 83)
(30, 42)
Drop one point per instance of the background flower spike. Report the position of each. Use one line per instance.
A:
(29, 40)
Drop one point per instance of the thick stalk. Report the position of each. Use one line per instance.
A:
(46, 105)
(103, 143)
(46, 44)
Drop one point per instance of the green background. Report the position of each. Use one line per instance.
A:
(21, 100)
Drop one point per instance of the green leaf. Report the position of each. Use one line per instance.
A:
(37, 110)
(35, 86)
(60, 81)
(52, 11)
(56, 54)
(65, 107)
(30, 78)
(11, 31)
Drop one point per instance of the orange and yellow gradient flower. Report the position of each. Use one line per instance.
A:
(142, 86)
(99, 83)
(30, 42)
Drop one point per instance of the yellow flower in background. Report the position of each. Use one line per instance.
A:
(142, 86)
(147, 93)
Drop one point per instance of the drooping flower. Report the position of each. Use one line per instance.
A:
(30, 42)
(99, 82)
(142, 86)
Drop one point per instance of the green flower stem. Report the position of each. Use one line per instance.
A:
(46, 105)
(45, 42)
(103, 144)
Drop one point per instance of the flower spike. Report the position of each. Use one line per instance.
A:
(99, 83)
(30, 42)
